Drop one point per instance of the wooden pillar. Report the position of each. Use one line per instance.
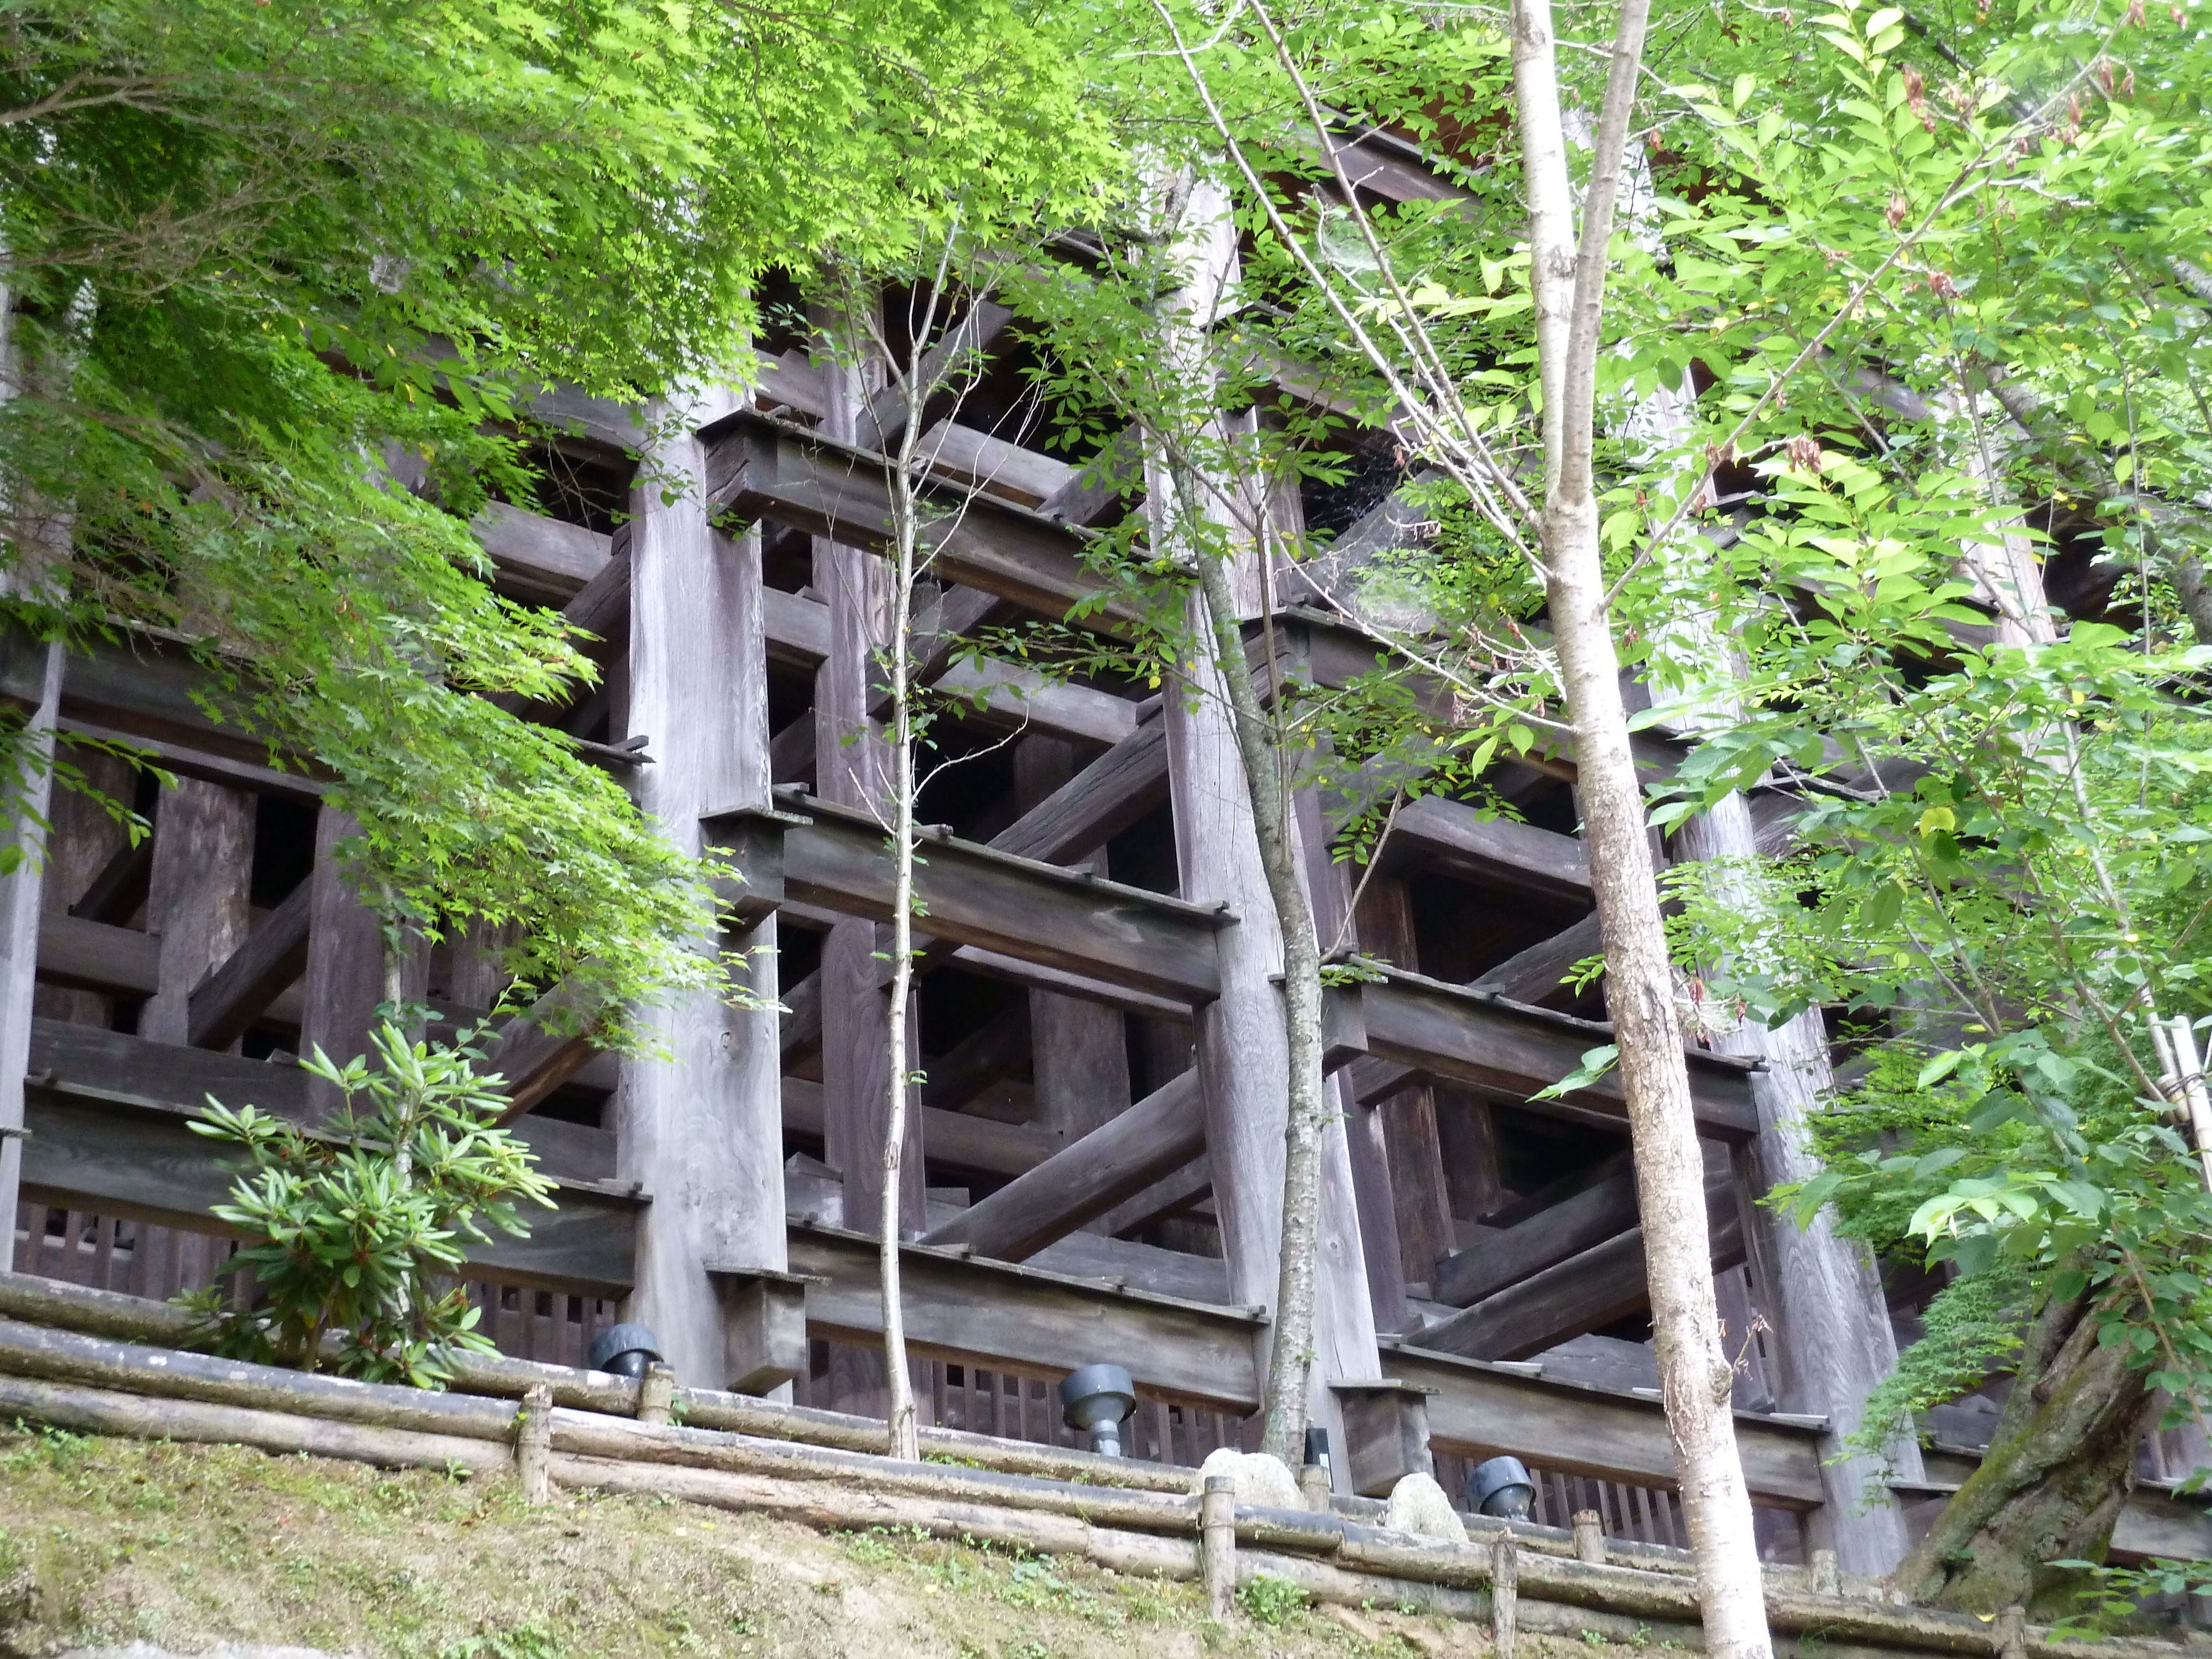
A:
(1408, 1120)
(1366, 1151)
(199, 900)
(19, 943)
(1831, 1322)
(702, 1128)
(853, 768)
(1079, 1050)
(1242, 1050)
(83, 843)
(344, 980)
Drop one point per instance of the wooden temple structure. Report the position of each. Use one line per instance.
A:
(1094, 1171)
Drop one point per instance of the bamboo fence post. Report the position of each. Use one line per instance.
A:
(1505, 1594)
(533, 1444)
(1217, 1527)
(1590, 1536)
(656, 1394)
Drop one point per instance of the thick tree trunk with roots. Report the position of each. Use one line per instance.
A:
(2056, 1475)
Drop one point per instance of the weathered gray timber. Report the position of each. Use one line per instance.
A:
(96, 956)
(1111, 794)
(198, 899)
(537, 1050)
(542, 560)
(1485, 1409)
(1452, 1031)
(1086, 1179)
(954, 1138)
(701, 1130)
(21, 899)
(984, 1310)
(239, 991)
(1592, 1287)
(877, 426)
(759, 467)
(1534, 974)
(979, 897)
(1603, 1210)
(1449, 838)
(134, 1156)
(344, 978)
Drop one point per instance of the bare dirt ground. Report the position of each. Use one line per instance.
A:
(105, 1542)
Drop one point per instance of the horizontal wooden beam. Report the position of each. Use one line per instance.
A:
(95, 955)
(762, 468)
(1449, 838)
(836, 857)
(1593, 1287)
(964, 1309)
(108, 1116)
(1532, 975)
(237, 993)
(953, 1139)
(546, 561)
(1113, 793)
(1086, 1179)
(1482, 1410)
(1506, 1255)
(537, 1050)
(1463, 1035)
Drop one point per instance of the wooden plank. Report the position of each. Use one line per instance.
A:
(273, 957)
(1507, 1047)
(1482, 1410)
(954, 1139)
(1450, 838)
(993, 964)
(535, 1052)
(119, 886)
(700, 1121)
(973, 896)
(98, 957)
(542, 556)
(344, 976)
(1601, 1210)
(199, 897)
(1532, 975)
(1591, 1288)
(1087, 1178)
(108, 1116)
(1006, 470)
(1002, 694)
(1114, 792)
(758, 467)
(962, 1308)
(36, 680)
(797, 628)
(1373, 162)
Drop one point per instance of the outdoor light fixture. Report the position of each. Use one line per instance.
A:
(1502, 1487)
(1317, 1447)
(624, 1350)
(1096, 1399)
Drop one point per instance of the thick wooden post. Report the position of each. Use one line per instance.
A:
(19, 946)
(345, 980)
(1079, 1050)
(853, 768)
(1406, 1122)
(1832, 1324)
(702, 1128)
(199, 899)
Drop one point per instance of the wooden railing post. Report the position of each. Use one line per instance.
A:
(1217, 1530)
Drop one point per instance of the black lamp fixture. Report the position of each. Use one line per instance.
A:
(1501, 1487)
(624, 1350)
(1096, 1399)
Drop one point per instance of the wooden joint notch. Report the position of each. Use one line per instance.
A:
(763, 1326)
(1386, 1432)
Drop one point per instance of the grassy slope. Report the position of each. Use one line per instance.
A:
(109, 1541)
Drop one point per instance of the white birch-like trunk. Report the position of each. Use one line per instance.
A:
(1567, 276)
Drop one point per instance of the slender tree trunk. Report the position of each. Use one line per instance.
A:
(2057, 1472)
(1567, 275)
(1290, 1360)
